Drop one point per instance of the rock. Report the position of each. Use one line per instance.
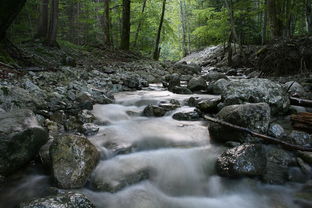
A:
(44, 154)
(214, 76)
(187, 69)
(132, 82)
(306, 156)
(296, 175)
(65, 200)
(16, 97)
(173, 81)
(219, 86)
(295, 89)
(20, 139)
(299, 138)
(197, 84)
(252, 116)
(256, 91)
(85, 101)
(86, 117)
(244, 160)
(276, 130)
(181, 90)
(90, 129)
(154, 111)
(276, 169)
(208, 106)
(186, 116)
(73, 159)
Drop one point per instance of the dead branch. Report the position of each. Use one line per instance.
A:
(261, 136)
(300, 102)
(7, 65)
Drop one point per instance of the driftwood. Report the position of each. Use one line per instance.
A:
(261, 136)
(302, 121)
(300, 102)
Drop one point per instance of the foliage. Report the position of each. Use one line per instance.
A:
(188, 25)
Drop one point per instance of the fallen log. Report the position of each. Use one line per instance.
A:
(261, 136)
(300, 102)
(302, 121)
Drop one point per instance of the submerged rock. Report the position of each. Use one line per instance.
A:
(73, 159)
(65, 200)
(252, 116)
(20, 139)
(181, 90)
(244, 160)
(152, 110)
(256, 91)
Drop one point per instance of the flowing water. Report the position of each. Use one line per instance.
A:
(177, 155)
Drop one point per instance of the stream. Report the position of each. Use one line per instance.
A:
(154, 163)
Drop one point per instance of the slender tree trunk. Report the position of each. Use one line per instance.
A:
(234, 35)
(106, 23)
(183, 23)
(9, 9)
(125, 34)
(42, 30)
(265, 23)
(157, 49)
(53, 23)
(140, 23)
(309, 16)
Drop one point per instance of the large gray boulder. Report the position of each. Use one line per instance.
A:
(244, 160)
(254, 116)
(20, 139)
(256, 91)
(65, 200)
(73, 159)
(197, 84)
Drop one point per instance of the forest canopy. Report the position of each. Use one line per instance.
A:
(187, 25)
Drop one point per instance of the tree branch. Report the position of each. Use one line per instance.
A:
(261, 136)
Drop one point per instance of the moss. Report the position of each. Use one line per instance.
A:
(5, 57)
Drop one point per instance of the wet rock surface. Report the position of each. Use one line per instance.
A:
(256, 91)
(68, 200)
(20, 139)
(73, 159)
(245, 160)
(253, 116)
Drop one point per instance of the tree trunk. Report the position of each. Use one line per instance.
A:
(157, 49)
(106, 23)
(265, 23)
(140, 23)
(42, 30)
(125, 33)
(53, 23)
(274, 9)
(183, 23)
(309, 15)
(9, 9)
